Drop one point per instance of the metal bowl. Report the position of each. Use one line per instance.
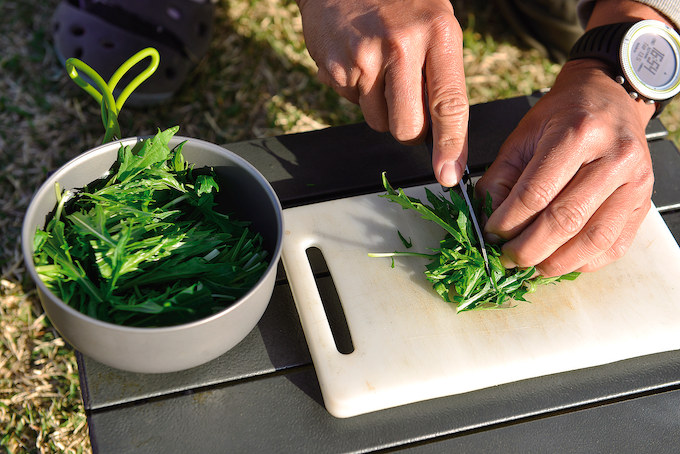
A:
(165, 349)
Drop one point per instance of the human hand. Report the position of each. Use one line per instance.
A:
(573, 182)
(394, 59)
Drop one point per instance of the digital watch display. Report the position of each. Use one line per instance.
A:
(644, 57)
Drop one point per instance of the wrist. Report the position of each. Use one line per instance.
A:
(614, 11)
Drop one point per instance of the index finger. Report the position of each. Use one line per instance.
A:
(448, 102)
(533, 181)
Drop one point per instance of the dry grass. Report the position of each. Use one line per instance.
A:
(40, 406)
(256, 81)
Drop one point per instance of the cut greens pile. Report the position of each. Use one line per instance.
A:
(143, 246)
(456, 267)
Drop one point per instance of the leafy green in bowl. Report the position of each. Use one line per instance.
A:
(144, 246)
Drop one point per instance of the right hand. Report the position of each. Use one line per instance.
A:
(402, 62)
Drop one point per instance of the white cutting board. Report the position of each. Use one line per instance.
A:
(409, 345)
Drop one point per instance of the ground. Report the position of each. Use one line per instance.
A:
(256, 81)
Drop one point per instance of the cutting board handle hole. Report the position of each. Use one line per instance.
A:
(330, 301)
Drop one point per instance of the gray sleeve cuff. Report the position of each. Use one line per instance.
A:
(669, 8)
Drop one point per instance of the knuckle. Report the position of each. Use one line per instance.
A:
(360, 65)
(535, 196)
(630, 153)
(397, 45)
(452, 140)
(630, 156)
(336, 75)
(445, 26)
(323, 75)
(564, 220)
(600, 237)
(644, 175)
(367, 64)
(617, 251)
(450, 103)
(585, 122)
(579, 126)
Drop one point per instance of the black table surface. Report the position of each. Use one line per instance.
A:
(263, 395)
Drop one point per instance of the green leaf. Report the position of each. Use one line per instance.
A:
(456, 269)
(87, 224)
(407, 243)
(206, 184)
(152, 152)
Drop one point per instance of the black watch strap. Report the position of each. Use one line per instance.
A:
(604, 43)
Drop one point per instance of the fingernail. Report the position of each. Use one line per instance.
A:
(507, 261)
(450, 174)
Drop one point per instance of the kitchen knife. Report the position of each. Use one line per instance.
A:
(463, 184)
(480, 239)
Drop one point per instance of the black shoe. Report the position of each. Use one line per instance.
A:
(105, 33)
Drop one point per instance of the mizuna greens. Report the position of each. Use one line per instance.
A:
(144, 245)
(456, 269)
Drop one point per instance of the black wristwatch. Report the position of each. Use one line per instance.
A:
(643, 56)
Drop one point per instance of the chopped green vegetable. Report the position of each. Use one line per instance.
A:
(144, 245)
(456, 267)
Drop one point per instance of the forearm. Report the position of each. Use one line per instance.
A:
(612, 11)
(599, 12)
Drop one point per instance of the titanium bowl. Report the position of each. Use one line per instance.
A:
(165, 349)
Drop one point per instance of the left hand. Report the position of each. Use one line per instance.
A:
(573, 182)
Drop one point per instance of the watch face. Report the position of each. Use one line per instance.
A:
(653, 59)
(650, 59)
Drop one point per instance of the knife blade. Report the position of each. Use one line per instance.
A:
(463, 184)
